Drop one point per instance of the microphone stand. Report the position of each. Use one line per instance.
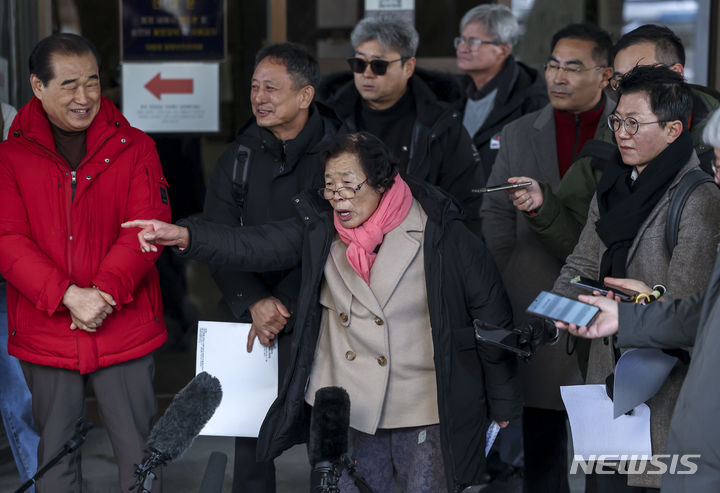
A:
(82, 426)
(144, 472)
(330, 472)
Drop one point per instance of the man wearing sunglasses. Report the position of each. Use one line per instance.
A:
(545, 143)
(558, 217)
(275, 156)
(496, 88)
(390, 100)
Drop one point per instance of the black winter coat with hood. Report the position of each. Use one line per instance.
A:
(475, 383)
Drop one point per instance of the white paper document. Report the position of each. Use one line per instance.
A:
(595, 432)
(249, 380)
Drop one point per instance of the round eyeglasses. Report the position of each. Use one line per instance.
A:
(472, 43)
(631, 124)
(344, 192)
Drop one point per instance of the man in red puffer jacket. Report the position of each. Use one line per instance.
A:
(83, 301)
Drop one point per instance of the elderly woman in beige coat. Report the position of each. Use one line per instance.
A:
(624, 236)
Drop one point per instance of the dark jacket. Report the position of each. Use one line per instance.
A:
(441, 151)
(276, 171)
(688, 324)
(474, 383)
(520, 91)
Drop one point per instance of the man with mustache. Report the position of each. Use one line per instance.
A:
(275, 156)
(544, 144)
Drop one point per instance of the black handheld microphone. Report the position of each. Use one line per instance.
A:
(328, 434)
(174, 432)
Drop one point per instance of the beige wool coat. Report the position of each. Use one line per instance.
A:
(375, 340)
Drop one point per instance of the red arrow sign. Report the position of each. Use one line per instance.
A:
(159, 86)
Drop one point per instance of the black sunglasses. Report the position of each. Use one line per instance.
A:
(378, 67)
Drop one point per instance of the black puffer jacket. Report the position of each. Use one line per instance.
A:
(521, 90)
(441, 152)
(474, 383)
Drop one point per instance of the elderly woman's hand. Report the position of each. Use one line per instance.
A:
(156, 232)
(526, 199)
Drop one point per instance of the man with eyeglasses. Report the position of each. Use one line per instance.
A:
(558, 216)
(624, 236)
(544, 144)
(275, 156)
(390, 99)
(496, 89)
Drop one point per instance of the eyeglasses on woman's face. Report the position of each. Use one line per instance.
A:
(631, 125)
(344, 192)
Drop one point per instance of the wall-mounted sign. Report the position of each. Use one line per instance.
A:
(389, 5)
(173, 29)
(172, 97)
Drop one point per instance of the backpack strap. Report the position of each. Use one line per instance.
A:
(687, 184)
(239, 177)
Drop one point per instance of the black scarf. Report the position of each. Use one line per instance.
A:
(624, 205)
(503, 81)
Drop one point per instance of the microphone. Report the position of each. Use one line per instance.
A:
(328, 441)
(329, 424)
(175, 431)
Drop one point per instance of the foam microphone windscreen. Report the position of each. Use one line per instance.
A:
(329, 425)
(187, 414)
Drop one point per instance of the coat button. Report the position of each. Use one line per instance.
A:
(350, 355)
(379, 321)
(123, 140)
(107, 161)
(88, 177)
(343, 317)
(382, 360)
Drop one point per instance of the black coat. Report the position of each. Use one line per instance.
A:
(474, 382)
(276, 172)
(521, 90)
(441, 151)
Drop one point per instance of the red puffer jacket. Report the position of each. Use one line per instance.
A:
(60, 227)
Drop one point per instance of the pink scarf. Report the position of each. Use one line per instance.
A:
(362, 240)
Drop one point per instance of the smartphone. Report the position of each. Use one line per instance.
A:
(593, 285)
(554, 307)
(497, 336)
(497, 188)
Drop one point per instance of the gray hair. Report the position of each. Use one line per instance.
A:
(390, 31)
(499, 21)
(711, 132)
